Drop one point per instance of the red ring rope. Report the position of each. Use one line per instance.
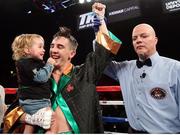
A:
(98, 88)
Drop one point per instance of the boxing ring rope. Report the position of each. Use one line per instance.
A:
(114, 119)
(108, 88)
(102, 102)
(108, 102)
(98, 88)
(10, 90)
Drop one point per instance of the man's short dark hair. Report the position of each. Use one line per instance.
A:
(66, 32)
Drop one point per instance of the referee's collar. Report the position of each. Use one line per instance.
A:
(155, 58)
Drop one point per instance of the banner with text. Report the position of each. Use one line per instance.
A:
(124, 10)
(85, 20)
(170, 5)
(115, 12)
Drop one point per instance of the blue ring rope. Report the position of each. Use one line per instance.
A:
(114, 119)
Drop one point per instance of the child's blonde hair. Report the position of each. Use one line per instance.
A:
(21, 42)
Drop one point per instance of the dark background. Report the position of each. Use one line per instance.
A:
(15, 20)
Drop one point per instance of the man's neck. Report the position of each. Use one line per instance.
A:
(63, 69)
(143, 57)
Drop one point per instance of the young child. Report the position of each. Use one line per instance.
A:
(2, 104)
(33, 75)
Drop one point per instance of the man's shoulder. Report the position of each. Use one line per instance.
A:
(170, 62)
(125, 62)
(1, 89)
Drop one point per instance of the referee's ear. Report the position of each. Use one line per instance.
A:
(156, 40)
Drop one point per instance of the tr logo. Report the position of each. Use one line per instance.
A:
(86, 20)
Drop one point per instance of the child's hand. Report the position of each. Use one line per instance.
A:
(51, 61)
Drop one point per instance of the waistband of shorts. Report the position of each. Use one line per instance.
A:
(66, 132)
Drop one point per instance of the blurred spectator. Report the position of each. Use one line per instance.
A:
(2, 103)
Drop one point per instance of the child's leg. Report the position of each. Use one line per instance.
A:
(41, 118)
(53, 128)
(29, 129)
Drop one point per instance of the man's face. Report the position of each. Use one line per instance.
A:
(61, 51)
(144, 40)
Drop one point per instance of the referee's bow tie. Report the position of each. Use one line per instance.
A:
(147, 62)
